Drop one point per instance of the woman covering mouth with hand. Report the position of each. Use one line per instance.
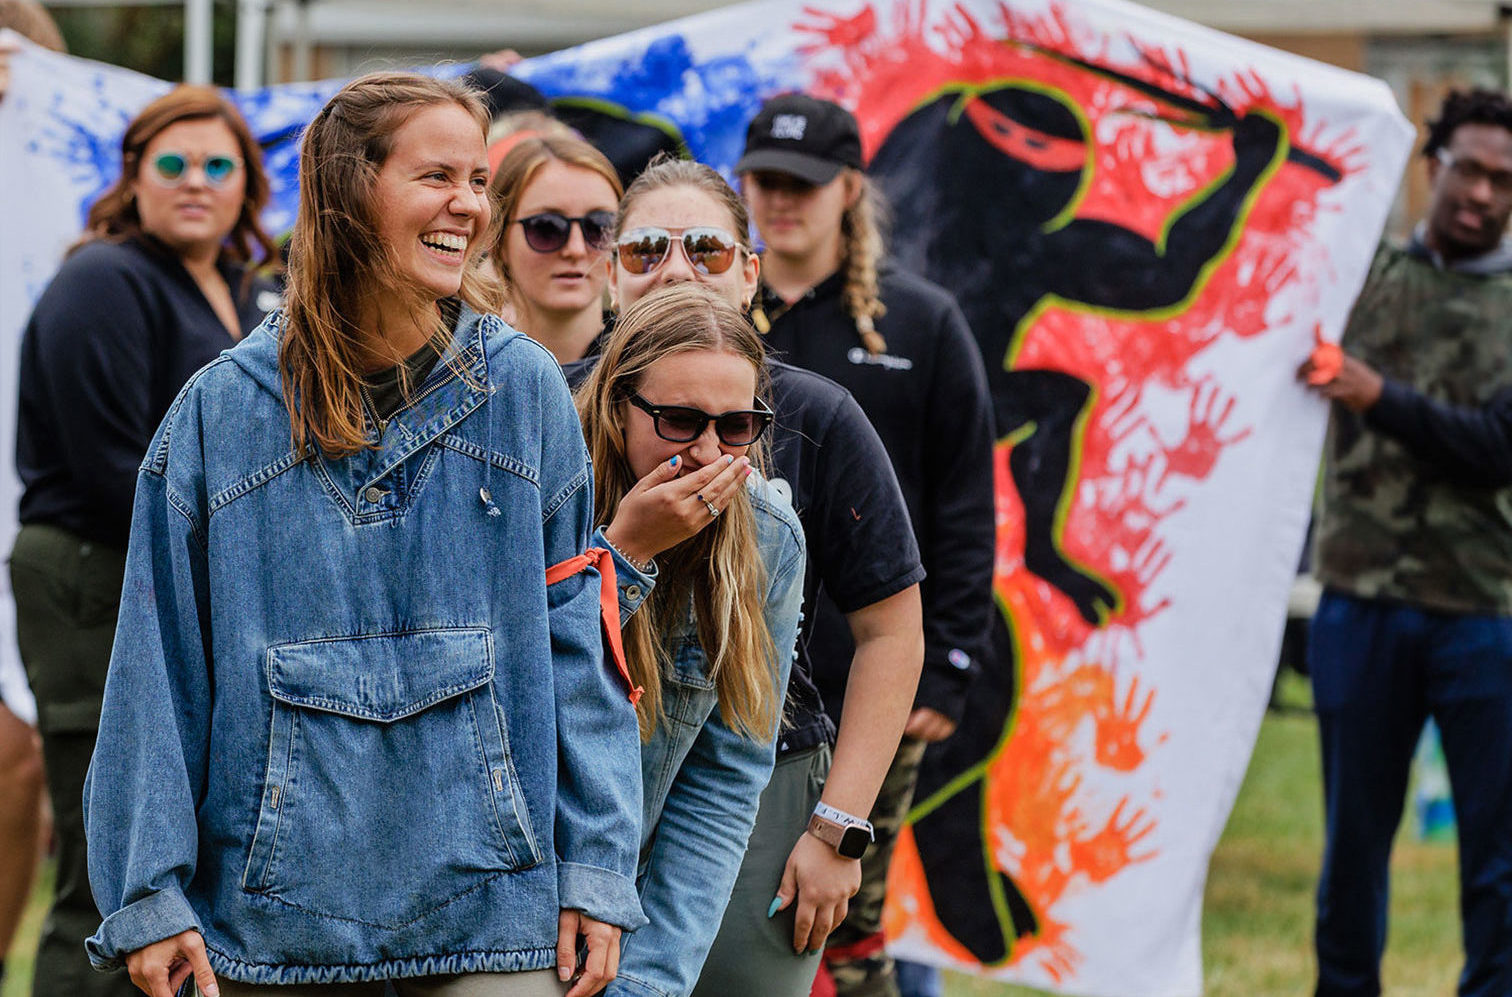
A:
(681, 224)
(359, 728)
(676, 424)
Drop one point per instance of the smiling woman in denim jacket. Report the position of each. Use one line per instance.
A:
(675, 418)
(350, 733)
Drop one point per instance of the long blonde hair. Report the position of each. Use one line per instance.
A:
(337, 257)
(719, 571)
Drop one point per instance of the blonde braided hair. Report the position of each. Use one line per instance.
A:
(863, 247)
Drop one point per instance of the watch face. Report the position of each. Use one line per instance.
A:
(853, 842)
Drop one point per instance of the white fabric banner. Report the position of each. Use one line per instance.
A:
(1147, 223)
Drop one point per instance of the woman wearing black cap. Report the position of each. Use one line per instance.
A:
(903, 349)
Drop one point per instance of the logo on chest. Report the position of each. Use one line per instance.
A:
(861, 357)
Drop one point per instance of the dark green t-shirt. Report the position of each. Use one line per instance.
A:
(386, 389)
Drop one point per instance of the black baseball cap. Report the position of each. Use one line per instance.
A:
(803, 136)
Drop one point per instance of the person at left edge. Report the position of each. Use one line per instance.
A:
(358, 728)
(159, 284)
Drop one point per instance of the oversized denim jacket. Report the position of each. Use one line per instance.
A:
(702, 781)
(349, 733)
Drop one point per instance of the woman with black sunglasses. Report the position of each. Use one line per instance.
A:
(159, 285)
(680, 223)
(678, 391)
(557, 195)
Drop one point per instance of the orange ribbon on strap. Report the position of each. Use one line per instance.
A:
(598, 557)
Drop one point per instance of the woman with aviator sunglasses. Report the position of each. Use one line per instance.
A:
(679, 387)
(160, 284)
(680, 223)
(557, 196)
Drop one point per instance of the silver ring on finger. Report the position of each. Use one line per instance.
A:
(714, 510)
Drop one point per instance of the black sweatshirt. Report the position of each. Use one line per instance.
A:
(111, 341)
(927, 398)
(1471, 444)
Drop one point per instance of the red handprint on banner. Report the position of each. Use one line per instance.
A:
(1198, 452)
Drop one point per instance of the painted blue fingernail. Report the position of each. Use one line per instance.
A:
(772, 910)
(673, 462)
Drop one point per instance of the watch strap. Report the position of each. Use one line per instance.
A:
(844, 819)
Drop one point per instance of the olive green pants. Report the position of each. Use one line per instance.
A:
(68, 592)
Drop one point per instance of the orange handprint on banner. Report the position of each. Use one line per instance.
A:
(1117, 741)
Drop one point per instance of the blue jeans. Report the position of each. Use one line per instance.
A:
(1379, 669)
(918, 980)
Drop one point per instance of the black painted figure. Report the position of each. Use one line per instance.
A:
(1001, 232)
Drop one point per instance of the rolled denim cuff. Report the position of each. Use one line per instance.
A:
(151, 919)
(602, 895)
(634, 584)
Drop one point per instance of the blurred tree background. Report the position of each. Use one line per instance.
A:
(146, 38)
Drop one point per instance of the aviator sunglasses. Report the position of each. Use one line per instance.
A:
(549, 231)
(709, 250)
(171, 168)
(679, 424)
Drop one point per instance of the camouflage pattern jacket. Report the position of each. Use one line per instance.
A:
(1417, 492)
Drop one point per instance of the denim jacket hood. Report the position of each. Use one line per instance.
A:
(349, 732)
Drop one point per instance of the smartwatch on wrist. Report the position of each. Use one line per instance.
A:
(849, 836)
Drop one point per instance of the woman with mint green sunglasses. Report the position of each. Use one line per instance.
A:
(159, 285)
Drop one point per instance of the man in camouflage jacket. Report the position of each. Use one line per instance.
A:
(1414, 548)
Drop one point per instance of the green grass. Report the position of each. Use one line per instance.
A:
(1257, 921)
(18, 964)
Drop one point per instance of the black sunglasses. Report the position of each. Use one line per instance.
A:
(549, 231)
(679, 424)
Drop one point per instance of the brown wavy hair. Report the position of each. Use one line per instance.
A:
(114, 216)
(520, 165)
(337, 258)
(718, 572)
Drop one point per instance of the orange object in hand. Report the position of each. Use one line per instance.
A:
(1326, 359)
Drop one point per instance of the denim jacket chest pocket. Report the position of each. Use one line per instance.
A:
(388, 759)
(687, 688)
